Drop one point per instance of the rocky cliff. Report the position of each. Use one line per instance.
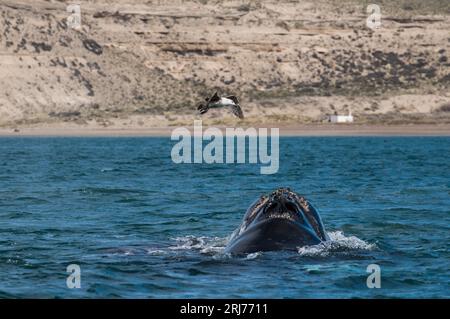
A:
(149, 63)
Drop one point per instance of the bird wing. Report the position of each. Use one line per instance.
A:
(236, 109)
(202, 108)
(215, 98)
(233, 98)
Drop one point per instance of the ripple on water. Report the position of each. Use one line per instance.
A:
(141, 226)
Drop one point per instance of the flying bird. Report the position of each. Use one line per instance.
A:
(216, 101)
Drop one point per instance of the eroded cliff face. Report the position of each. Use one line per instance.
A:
(288, 61)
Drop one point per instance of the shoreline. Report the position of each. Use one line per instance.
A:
(288, 130)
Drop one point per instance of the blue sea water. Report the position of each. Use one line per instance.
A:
(140, 226)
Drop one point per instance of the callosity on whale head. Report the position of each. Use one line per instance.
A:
(283, 220)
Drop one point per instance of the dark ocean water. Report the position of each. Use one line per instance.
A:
(140, 226)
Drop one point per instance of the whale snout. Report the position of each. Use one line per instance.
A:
(282, 202)
(281, 206)
(282, 220)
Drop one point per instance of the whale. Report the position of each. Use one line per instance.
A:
(282, 220)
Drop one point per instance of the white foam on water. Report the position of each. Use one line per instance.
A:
(154, 251)
(121, 252)
(253, 255)
(338, 243)
(206, 245)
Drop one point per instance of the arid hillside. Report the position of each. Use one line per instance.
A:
(148, 63)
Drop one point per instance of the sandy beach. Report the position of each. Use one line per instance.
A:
(291, 130)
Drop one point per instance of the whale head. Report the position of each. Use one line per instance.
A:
(280, 220)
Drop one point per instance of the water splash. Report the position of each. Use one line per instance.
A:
(253, 255)
(339, 244)
(203, 244)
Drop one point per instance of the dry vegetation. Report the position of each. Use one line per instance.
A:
(147, 64)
